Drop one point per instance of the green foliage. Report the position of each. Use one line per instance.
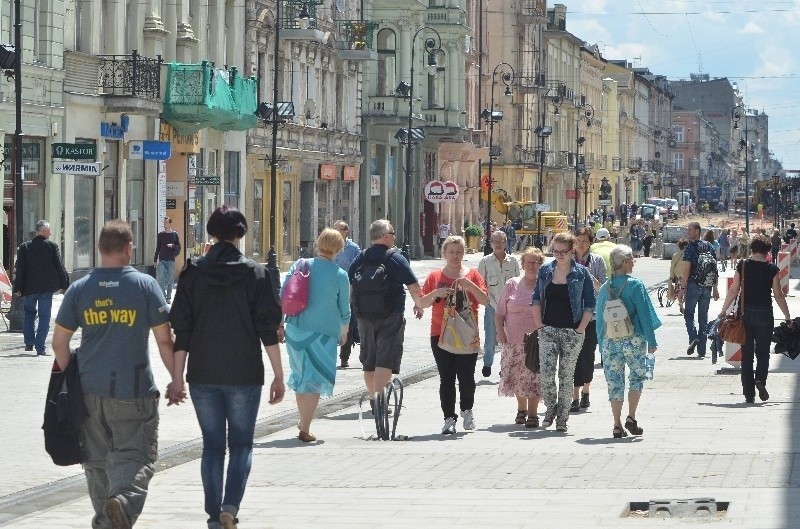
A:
(473, 231)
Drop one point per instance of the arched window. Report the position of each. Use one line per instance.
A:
(436, 85)
(387, 63)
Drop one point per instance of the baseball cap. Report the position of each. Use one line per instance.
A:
(602, 235)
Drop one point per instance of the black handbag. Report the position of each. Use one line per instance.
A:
(532, 351)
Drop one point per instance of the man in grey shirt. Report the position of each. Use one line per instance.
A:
(116, 307)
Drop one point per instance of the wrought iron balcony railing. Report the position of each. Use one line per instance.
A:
(130, 75)
(291, 11)
(356, 34)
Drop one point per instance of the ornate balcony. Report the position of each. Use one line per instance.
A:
(130, 83)
(295, 28)
(356, 40)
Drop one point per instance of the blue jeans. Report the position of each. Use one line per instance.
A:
(37, 337)
(165, 275)
(490, 336)
(699, 298)
(220, 409)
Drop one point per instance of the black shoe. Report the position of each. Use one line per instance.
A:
(692, 345)
(44, 353)
(632, 426)
(585, 400)
(749, 400)
(762, 390)
(486, 371)
(575, 408)
(29, 348)
(344, 364)
(701, 356)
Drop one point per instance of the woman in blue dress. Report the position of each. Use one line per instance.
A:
(313, 335)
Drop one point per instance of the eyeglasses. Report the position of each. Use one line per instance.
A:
(389, 233)
(561, 253)
(343, 229)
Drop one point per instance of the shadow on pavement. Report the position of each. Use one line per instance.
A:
(609, 440)
(437, 437)
(506, 428)
(288, 443)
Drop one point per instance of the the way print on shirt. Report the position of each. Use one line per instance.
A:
(103, 313)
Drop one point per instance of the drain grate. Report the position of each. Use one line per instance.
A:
(688, 508)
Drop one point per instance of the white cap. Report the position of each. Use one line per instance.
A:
(602, 235)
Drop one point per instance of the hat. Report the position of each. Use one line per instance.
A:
(602, 235)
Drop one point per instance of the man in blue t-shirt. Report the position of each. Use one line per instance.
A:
(693, 295)
(382, 339)
(343, 260)
(116, 307)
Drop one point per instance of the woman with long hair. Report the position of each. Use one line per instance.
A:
(629, 351)
(563, 302)
(761, 283)
(513, 319)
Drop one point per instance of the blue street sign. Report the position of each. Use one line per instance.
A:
(150, 150)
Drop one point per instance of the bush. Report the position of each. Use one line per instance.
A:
(473, 231)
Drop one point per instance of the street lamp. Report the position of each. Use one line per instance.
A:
(585, 177)
(628, 178)
(542, 131)
(737, 113)
(580, 164)
(605, 195)
(775, 182)
(11, 58)
(492, 116)
(410, 134)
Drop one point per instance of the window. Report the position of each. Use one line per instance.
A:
(678, 131)
(430, 166)
(111, 181)
(135, 207)
(232, 178)
(387, 63)
(38, 45)
(677, 157)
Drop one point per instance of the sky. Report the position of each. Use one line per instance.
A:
(753, 43)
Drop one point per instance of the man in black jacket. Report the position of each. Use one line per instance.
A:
(39, 273)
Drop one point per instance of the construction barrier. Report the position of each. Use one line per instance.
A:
(733, 354)
(6, 291)
(793, 256)
(783, 271)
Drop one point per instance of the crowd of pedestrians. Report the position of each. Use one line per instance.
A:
(226, 311)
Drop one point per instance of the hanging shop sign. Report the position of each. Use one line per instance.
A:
(327, 171)
(350, 173)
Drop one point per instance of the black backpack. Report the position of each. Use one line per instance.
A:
(371, 288)
(706, 272)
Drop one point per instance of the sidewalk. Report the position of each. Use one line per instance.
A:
(700, 440)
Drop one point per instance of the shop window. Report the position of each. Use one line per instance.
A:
(111, 181)
(84, 231)
(232, 178)
(134, 200)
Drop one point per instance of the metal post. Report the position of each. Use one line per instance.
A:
(538, 243)
(16, 313)
(577, 174)
(487, 245)
(272, 262)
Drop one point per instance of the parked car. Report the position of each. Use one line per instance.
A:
(649, 212)
(670, 235)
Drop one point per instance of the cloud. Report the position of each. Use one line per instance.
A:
(752, 29)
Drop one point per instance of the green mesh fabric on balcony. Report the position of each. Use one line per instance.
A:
(200, 96)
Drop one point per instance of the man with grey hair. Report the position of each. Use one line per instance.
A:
(380, 313)
(38, 273)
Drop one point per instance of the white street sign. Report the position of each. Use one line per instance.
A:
(602, 202)
(543, 207)
(87, 168)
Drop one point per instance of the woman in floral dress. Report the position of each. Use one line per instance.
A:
(513, 318)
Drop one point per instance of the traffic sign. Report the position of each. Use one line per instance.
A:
(87, 168)
(604, 202)
(207, 180)
(437, 191)
(543, 207)
(149, 150)
(75, 151)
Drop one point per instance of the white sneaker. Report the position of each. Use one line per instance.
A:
(469, 420)
(449, 427)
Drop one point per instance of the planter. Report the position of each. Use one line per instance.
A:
(473, 241)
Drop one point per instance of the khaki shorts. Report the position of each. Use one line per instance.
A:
(382, 342)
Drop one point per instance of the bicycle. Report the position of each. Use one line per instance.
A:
(663, 298)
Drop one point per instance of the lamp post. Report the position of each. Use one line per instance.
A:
(580, 164)
(542, 131)
(775, 183)
(492, 116)
(737, 113)
(406, 90)
(627, 179)
(585, 177)
(605, 195)
(11, 58)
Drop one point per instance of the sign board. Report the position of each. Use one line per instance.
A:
(175, 189)
(543, 207)
(149, 150)
(572, 194)
(111, 131)
(350, 173)
(87, 168)
(184, 143)
(75, 151)
(29, 166)
(171, 203)
(375, 185)
(437, 191)
(327, 171)
(207, 181)
(604, 202)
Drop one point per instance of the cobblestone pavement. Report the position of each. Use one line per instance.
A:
(700, 440)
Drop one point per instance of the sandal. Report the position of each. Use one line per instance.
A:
(532, 422)
(520, 419)
(633, 427)
(619, 432)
